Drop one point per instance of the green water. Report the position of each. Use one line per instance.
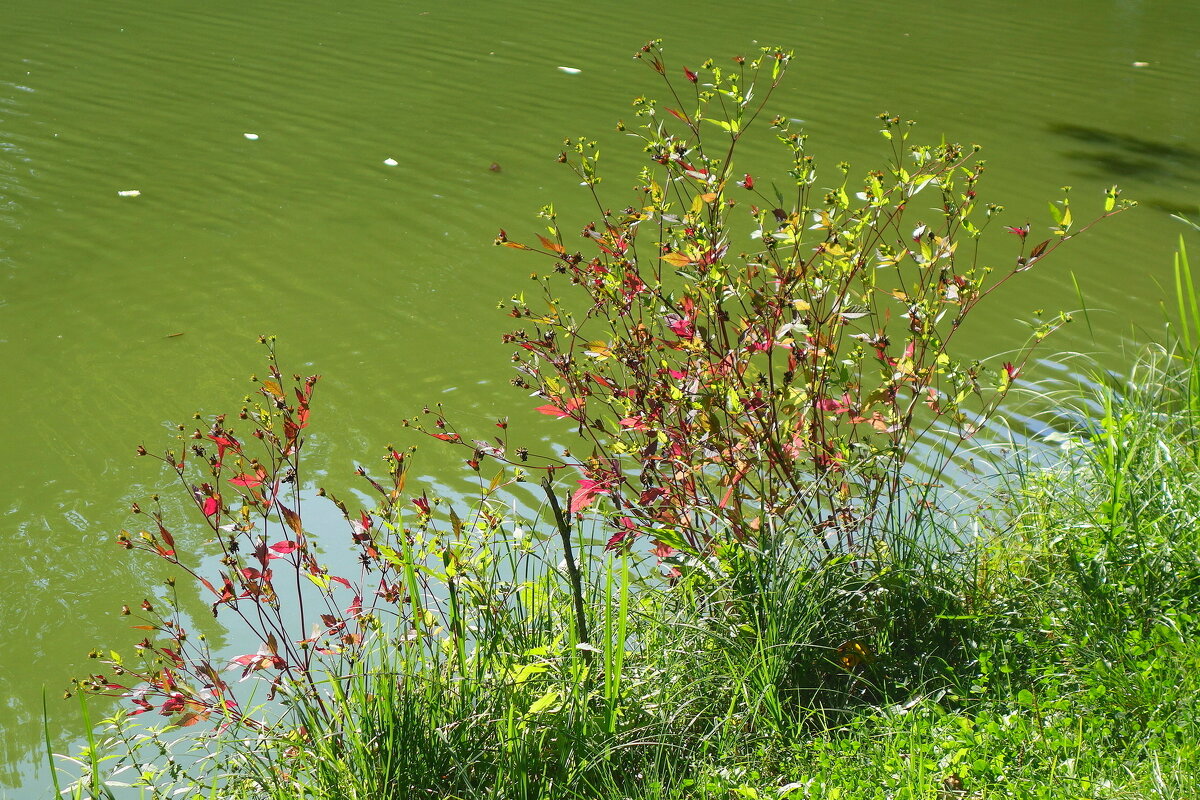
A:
(121, 315)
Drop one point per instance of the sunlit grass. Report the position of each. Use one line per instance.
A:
(1052, 657)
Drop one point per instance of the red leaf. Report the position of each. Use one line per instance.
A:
(166, 536)
(651, 494)
(663, 550)
(628, 529)
(445, 437)
(225, 443)
(290, 431)
(252, 574)
(189, 718)
(246, 480)
(211, 506)
(554, 411)
(283, 548)
(616, 540)
(551, 245)
(342, 581)
(172, 704)
(256, 661)
(691, 76)
(837, 406)
(680, 327)
(587, 492)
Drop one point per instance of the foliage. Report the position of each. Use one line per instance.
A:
(752, 357)
(747, 582)
(1074, 676)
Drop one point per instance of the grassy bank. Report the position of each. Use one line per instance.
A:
(1051, 656)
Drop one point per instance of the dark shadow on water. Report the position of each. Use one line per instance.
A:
(1169, 206)
(1126, 144)
(1118, 164)
(1110, 155)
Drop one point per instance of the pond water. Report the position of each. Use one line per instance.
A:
(323, 171)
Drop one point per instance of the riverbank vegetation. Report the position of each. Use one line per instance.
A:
(733, 570)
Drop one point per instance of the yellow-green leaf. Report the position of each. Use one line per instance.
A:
(544, 703)
(527, 671)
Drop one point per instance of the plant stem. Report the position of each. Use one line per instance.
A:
(564, 531)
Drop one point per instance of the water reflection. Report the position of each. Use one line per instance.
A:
(65, 584)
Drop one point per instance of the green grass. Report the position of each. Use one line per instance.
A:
(1050, 654)
(1053, 656)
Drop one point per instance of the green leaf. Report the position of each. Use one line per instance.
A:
(731, 125)
(671, 538)
(1057, 213)
(527, 671)
(544, 703)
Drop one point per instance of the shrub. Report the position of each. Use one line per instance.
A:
(749, 366)
(751, 358)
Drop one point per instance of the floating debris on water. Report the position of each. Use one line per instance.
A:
(1141, 63)
(129, 193)
(570, 70)
(251, 136)
(391, 162)
(495, 166)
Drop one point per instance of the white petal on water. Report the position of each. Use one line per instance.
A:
(570, 70)
(128, 193)
(391, 162)
(251, 136)
(1141, 63)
